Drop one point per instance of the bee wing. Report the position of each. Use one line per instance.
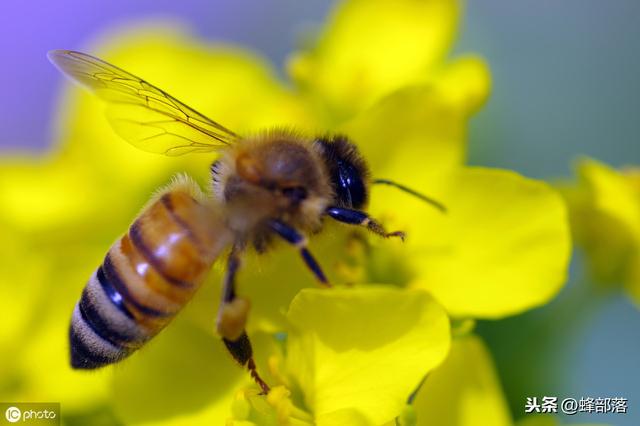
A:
(142, 114)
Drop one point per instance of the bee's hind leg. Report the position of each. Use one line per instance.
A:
(357, 217)
(292, 236)
(232, 317)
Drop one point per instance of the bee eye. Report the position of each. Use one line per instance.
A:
(295, 193)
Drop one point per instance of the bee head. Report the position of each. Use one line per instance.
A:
(347, 171)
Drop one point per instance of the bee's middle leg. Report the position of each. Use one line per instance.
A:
(232, 317)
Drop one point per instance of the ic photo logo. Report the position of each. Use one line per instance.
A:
(30, 413)
(13, 414)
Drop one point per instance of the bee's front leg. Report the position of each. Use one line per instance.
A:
(232, 317)
(292, 236)
(357, 217)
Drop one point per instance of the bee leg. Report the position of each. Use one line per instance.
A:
(356, 217)
(232, 317)
(292, 236)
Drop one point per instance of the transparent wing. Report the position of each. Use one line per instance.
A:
(145, 116)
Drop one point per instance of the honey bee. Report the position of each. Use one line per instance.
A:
(276, 184)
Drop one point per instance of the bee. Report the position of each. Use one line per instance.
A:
(274, 185)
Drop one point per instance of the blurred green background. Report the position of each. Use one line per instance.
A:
(565, 84)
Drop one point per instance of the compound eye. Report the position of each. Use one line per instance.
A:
(295, 193)
(350, 188)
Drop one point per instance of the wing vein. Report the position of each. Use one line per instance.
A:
(124, 91)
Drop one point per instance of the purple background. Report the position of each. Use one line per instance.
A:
(29, 29)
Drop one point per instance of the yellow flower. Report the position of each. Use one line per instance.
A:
(377, 74)
(464, 390)
(371, 48)
(605, 218)
(352, 356)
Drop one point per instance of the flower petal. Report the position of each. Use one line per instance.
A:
(35, 356)
(344, 416)
(363, 349)
(612, 194)
(464, 390)
(39, 195)
(45, 372)
(18, 302)
(502, 247)
(184, 376)
(605, 220)
(369, 48)
(464, 83)
(411, 132)
(632, 283)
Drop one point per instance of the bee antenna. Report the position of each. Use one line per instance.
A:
(438, 205)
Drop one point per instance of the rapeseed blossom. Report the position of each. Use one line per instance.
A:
(379, 73)
(605, 220)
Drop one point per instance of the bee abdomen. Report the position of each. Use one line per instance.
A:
(146, 278)
(103, 331)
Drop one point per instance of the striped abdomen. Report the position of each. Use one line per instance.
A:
(145, 279)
